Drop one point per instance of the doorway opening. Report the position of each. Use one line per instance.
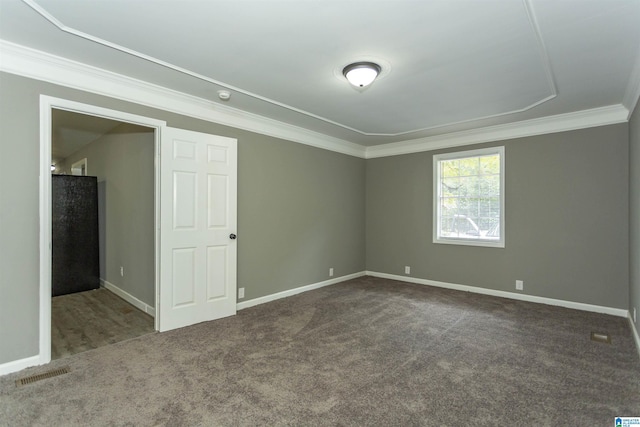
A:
(122, 150)
(78, 168)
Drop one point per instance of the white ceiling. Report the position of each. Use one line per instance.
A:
(448, 65)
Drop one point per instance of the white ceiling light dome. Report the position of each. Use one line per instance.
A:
(361, 74)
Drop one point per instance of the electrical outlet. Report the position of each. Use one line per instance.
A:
(407, 269)
(331, 272)
(519, 285)
(121, 271)
(240, 292)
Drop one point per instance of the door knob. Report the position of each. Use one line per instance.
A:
(232, 236)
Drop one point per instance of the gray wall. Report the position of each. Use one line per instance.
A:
(634, 215)
(19, 225)
(566, 219)
(123, 161)
(300, 209)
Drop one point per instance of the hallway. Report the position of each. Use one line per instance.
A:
(86, 320)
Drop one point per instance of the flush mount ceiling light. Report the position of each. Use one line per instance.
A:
(361, 74)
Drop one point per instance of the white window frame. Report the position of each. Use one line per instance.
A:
(437, 158)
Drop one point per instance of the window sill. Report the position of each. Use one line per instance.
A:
(467, 242)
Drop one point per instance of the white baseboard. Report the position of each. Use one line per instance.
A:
(511, 295)
(290, 292)
(634, 332)
(19, 365)
(129, 298)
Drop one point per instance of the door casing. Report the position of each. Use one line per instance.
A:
(47, 104)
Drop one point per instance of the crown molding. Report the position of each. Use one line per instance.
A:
(27, 62)
(560, 123)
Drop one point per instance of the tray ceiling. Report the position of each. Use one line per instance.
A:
(447, 65)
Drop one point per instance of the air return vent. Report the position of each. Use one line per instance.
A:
(43, 376)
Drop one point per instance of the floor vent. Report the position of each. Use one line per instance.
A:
(43, 376)
(600, 337)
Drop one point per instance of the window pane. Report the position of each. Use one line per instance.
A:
(469, 166)
(468, 186)
(490, 164)
(488, 205)
(450, 187)
(449, 168)
(490, 185)
(449, 206)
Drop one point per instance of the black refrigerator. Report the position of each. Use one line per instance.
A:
(75, 259)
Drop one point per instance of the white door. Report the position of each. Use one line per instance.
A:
(198, 222)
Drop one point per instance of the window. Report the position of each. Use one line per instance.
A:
(469, 197)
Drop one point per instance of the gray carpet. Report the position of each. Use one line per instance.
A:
(365, 352)
(86, 320)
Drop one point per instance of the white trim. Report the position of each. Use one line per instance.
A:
(47, 103)
(634, 332)
(45, 234)
(139, 304)
(290, 292)
(632, 94)
(437, 158)
(24, 61)
(504, 294)
(93, 110)
(19, 365)
(544, 53)
(544, 125)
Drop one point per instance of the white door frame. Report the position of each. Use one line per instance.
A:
(80, 167)
(48, 103)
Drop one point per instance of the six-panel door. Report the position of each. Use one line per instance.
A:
(197, 217)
